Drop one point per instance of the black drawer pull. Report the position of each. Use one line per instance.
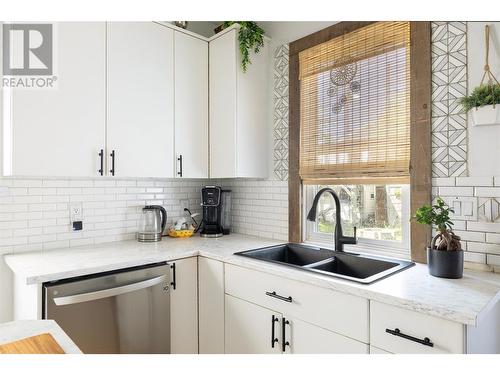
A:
(101, 158)
(284, 343)
(273, 339)
(113, 169)
(179, 159)
(396, 332)
(274, 295)
(174, 281)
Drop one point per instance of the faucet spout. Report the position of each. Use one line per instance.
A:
(340, 239)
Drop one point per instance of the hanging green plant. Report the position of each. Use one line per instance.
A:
(250, 37)
(485, 94)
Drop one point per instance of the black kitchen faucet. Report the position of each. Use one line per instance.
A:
(340, 239)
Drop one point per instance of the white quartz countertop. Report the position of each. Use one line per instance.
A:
(21, 329)
(465, 300)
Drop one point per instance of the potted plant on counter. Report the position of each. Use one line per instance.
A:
(445, 257)
(482, 103)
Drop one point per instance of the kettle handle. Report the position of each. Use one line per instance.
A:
(163, 216)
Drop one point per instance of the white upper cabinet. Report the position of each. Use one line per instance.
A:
(191, 106)
(238, 109)
(60, 131)
(140, 99)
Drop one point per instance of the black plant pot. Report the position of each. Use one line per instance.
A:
(447, 264)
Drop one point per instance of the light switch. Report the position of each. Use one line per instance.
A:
(465, 207)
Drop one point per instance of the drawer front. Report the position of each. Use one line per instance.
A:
(338, 312)
(446, 336)
(375, 350)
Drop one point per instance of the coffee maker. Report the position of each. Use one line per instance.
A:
(216, 204)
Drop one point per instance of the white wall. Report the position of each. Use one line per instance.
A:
(288, 31)
(484, 141)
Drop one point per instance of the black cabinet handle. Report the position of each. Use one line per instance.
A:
(273, 339)
(274, 295)
(396, 332)
(179, 159)
(112, 170)
(284, 343)
(101, 156)
(174, 281)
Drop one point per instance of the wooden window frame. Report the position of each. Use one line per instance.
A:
(420, 132)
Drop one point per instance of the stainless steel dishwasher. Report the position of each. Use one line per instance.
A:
(126, 311)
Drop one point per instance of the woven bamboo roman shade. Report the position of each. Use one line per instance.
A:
(355, 105)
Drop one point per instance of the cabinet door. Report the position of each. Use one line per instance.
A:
(140, 126)
(306, 338)
(248, 328)
(191, 106)
(252, 115)
(60, 131)
(223, 60)
(184, 307)
(211, 306)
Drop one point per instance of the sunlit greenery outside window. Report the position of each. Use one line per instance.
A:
(379, 212)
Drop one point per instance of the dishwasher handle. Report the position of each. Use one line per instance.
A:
(105, 293)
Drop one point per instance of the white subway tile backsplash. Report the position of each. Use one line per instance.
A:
(34, 213)
(483, 226)
(487, 191)
(474, 257)
(456, 191)
(474, 181)
(493, 260)
(493, 238)
(471, 236)
(443, 181)
(481, 247)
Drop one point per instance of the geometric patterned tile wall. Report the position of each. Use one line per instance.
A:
(280, 116)
(449, 84)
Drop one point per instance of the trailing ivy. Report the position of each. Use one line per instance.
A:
(250, 37)
(482, 95)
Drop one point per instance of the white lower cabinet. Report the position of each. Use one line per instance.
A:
(403, 331)
(308, 319)
(375, 350)
(248, 328)
(211, 306)
(184, 306)
(306, 338)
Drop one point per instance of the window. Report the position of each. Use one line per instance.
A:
(360, 121)
(355, 104)
(355, 135)
(380, 214)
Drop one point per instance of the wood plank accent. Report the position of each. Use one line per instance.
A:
(294, 182)
(40, 344)
(420, 138)
(420, 169)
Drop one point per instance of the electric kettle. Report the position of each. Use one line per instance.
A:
(152, 223)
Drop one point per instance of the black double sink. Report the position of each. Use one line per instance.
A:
(350, 266)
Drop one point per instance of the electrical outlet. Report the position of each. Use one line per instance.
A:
(75, 212)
